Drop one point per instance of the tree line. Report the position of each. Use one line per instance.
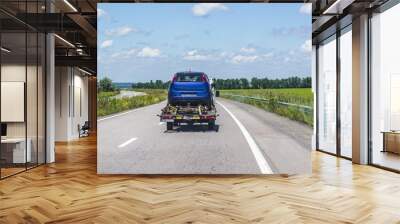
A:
(263, 83)
(106, 84)
(158, 84)
(239, 83)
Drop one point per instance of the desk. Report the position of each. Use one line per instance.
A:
(18, 150)
(391, 141)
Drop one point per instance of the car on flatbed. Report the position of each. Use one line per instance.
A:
(190, 101)
(190, 87)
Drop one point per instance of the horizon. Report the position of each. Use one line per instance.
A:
(249, 79)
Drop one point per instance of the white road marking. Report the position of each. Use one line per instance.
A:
(120, 114)
(261, 161)
(127, 142)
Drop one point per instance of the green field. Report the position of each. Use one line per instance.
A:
(298, 96)
(107, 104)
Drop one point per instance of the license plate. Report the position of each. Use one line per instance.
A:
(196, 117)
(168, 120)
(188, 95)
(178, 117)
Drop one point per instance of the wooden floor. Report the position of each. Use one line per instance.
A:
(69, 191)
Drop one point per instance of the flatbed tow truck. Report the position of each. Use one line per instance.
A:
(176, 115)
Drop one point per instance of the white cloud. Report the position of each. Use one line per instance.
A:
(247, 49)
(306, 8)
(194, 55)
(124, 54)
(306, 46)
(101, 12)
(268, 55)
(204, 9)
(149, 52)
(244, 59)
(120, 31)
(116, 54)
(145, 52)
(106, 43)
(225, 54)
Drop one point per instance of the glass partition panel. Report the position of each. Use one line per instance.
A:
(327, 95)
(22, 88)
(14, 153)
(41, 98)
(346, 92)
(31, 98)
(385, 89)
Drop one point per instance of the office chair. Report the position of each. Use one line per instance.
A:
(84, 130)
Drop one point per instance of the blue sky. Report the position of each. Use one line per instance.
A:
(149, 41)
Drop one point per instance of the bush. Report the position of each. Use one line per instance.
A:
(107, 104)
(300, 96)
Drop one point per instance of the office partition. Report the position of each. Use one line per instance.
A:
(22, 77)
(327, 95)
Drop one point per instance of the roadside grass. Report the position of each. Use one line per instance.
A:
(107, 94)
(299, 96)
(107, 104)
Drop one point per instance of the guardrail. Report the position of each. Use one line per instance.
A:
(303, 107)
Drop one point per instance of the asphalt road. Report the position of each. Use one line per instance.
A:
(135, 142)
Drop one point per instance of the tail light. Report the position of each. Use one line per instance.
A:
(203, 78)
(167, 116)
(174, 78)
(208, 117)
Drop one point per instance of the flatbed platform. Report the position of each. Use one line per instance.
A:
(175, 115)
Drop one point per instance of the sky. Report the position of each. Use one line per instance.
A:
(150, 41)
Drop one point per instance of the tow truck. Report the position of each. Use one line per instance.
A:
(197, 114)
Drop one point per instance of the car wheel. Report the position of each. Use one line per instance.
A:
(170, 126)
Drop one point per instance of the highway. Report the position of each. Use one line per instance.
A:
(135, 142)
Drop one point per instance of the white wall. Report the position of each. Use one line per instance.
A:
(62, 82)
(71, 87)
(12, 73)
(33, 126)
(80, 94)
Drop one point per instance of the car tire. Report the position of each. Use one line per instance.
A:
(170, 126)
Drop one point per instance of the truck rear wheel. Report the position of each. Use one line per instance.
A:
(170, 126)
(211, 125)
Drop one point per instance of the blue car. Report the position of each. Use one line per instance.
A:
(192, 88)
